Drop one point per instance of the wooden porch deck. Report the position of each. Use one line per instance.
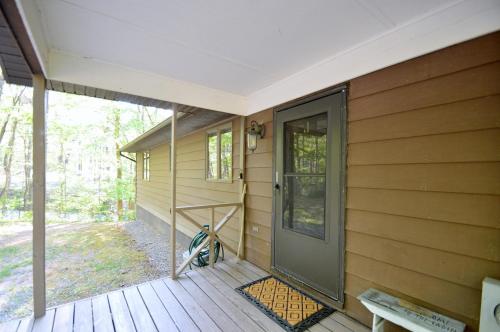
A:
(199, 300)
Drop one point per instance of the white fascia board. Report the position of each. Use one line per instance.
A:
(99, 74)
(32, 20)
(459, 22)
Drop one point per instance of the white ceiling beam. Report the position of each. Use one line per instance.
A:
(459, 22)
(98, 74)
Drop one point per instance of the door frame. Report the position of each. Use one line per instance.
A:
(342, 89)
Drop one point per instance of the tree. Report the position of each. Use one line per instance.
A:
(9, 151)
(119, 171)
(28, 147)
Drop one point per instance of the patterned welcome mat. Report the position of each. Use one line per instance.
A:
(289, 307)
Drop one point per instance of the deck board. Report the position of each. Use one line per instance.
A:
(140, 314)
(45, 323)
(198, 315)
(160, 315)
(10, 326)
(101, 314)
(209, 305)
(120, 312)
(83, 316)
(245, 322)
(201, 299)
(63, 320)
(180, 317)
(226, 285)
(26, 324)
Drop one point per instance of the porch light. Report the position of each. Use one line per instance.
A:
(256, 131)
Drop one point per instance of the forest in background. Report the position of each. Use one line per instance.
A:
(87, 179)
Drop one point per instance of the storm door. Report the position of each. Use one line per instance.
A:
(308, 193)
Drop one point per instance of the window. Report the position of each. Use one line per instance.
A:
(220, 154)
(145, 166)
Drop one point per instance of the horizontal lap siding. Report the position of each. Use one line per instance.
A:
(258, 213)
(192, 188)
(423, 178)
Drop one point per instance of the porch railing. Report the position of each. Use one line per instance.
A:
(213, 230)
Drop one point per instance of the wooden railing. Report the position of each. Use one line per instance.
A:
(213, 230)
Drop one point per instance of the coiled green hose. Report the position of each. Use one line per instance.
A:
(203, 257)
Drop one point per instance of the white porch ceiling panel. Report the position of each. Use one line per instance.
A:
(240, 56)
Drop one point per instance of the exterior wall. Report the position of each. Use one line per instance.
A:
(423, 177)
(423, 181)
(259, 202)
(192, 188)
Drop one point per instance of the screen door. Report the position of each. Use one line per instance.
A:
(308, 193)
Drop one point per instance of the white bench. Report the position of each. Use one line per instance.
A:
(405, 314)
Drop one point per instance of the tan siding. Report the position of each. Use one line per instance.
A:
(468, 84)
(192, 188)
(423, 177)
(446, 61)
(258, 214)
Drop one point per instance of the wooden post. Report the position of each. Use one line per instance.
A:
(39, 160)
(378, 324)
(173, 189)
(241, 244)
(211, 256)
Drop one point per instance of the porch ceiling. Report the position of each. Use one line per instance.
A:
(244, 56)
(18, 62)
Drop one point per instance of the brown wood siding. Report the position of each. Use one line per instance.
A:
(423, 181)
(258, 214)
(423, 177)
(192, 188)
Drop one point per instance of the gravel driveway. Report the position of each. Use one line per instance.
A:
(155, 245)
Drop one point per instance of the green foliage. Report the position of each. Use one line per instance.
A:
(86, 177)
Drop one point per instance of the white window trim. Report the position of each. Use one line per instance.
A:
(217, 130)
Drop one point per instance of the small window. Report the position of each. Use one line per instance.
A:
(145, 166)
(226, 154)
(212, 156)
(220, 154)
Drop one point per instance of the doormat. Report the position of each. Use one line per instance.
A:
(291, 308)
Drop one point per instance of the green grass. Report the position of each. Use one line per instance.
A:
(7, 270)
(82, 260)
(9, 251)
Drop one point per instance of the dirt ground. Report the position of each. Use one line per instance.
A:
(82, 260)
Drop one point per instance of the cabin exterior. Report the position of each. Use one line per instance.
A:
(337, 156)
(422, 181)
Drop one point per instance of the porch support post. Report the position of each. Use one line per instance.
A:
(173, 190)
(241, 244)
(211, 219)
(39, 159)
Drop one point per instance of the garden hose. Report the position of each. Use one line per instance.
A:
(203, 257)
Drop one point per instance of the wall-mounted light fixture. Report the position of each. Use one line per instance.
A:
(256, 131)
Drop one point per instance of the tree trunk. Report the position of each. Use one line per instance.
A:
(27, 171)
(7, 161)
(4, 127)
(119, 171)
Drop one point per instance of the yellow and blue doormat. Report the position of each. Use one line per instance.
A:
(291, 308)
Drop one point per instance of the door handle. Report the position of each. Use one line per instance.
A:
(277, 186)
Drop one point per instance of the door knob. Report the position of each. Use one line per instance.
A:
(277, 186)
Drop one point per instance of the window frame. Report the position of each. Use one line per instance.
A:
(146, 166)
(227, 127)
